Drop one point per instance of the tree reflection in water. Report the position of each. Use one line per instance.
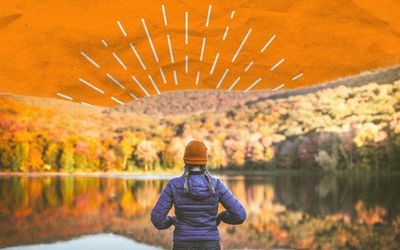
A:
(296, 211)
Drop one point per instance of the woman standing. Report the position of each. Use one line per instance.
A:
(195, 196)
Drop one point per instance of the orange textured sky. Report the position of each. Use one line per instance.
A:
(41, 44)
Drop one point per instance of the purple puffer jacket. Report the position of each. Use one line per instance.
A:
(196, 213)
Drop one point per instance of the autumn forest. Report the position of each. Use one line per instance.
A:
(338, 128)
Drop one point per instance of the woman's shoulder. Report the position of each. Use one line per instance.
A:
(175, 180)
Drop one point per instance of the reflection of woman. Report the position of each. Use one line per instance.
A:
(195, 196)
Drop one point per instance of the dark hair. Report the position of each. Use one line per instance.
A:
(204, 170)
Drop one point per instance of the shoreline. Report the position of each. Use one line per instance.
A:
(122, 175)
(217, 173)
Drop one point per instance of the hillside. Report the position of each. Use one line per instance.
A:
(333, 127)
(188, 102)
(196, 102)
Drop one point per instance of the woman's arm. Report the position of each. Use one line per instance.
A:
(159, 214)
(234, 213)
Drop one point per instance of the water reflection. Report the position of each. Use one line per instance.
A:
(286, 210)
(98, 242)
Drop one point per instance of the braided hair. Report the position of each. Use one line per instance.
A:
(204, 170)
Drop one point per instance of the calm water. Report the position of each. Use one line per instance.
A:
(293, 210)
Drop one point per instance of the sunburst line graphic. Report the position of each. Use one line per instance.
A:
(154, 84)
(133, 96)
(208, 15)
(267, 44)
(137, 55)
(234, 84)
(91, 85)
(122, 28)
(120, 61)
(149, 38)
(225, 33)
(252, 85)
(278, 88)
(141, 86)
(90, 59)
(175, 78)
(297, 77)
(186, 64)
(249, 66)
(115, 81)
(242, 44)
(197, 78)
(64, 96)
(162, 75)
(202, 49)
(277, 64)
(227, 27)
(222, 78)
(214, 63)
(104, 43)
(164, 15)
(186, 28)
(117, 101)
(171, 53)
(202, 53)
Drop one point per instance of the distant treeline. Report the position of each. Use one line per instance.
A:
(332, 129)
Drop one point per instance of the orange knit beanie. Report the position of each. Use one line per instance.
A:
(195, 153)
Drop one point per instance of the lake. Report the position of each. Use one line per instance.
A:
(285, 210)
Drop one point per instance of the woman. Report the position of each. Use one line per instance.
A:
(195, 196)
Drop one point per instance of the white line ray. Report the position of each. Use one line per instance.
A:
(163, 76)
(241, 45)
(141, 86)
(115, 80)
(234, 84)
(186, 64)
(208, 15)
(202, 49)
(117, 101)
(252, 85)
(90, 59)
(225, 33)
(248, 66)
(137, 56)
(277, 64)
(65, 96)
(154, 84)
(104, 42)
(91, 85)
(122, 28)
(171, 54)
(164, 15)
(232, 14)
(133, 96)
(88, 105)
(268, 43)
(197, 78)
(215, 62)
(119, 60)
(150, 41)
(278, 88)
(297, 77)
(186, 27)
(222, 78)
(175, 78)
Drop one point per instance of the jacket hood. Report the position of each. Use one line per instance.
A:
(198, 186)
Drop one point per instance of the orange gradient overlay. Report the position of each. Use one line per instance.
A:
(48, 46)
